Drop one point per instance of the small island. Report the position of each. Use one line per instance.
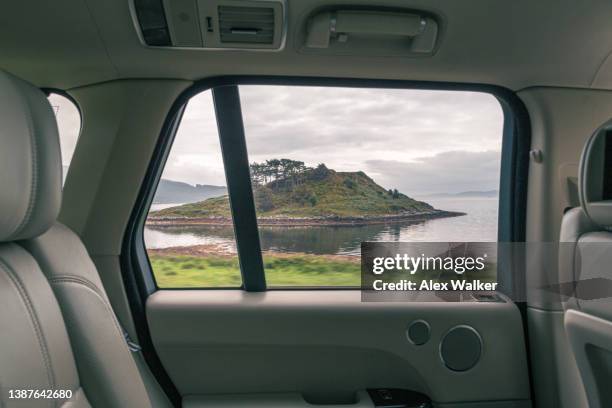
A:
(288, 193)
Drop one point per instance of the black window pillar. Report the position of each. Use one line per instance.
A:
(236, 162)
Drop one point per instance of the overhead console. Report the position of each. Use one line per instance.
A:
(211, 24)
(381, 32)
(262, 25)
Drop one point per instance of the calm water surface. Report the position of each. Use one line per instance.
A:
(479, 225)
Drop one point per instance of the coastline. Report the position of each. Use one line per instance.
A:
(306, 221)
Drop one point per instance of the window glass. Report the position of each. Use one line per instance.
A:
(333, 167)
(189, 233)
(69, 126)
(330, 168)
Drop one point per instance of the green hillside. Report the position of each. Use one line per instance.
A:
(308, 192)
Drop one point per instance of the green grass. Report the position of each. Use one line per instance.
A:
(182, 271)
(310, 270)
(185, 271)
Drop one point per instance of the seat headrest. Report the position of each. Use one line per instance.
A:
(595, 177)
(30, 161)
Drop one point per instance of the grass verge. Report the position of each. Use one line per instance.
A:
(188, 271)
(206, 270)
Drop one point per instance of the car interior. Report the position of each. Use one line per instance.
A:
(204, 203)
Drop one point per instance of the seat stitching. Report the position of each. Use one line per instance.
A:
(92, 286)
(76, 279)
(35, 322)
(34, 152)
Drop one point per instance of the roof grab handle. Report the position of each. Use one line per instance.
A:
(340, 26)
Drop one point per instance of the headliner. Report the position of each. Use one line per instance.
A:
(515, 44)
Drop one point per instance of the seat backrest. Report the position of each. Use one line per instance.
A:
(63, 303)
(108, 369)
(586, 263)
(37, 365)
(111, 374)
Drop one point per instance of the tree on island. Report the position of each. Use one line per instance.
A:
(292, 177)
(285, 173)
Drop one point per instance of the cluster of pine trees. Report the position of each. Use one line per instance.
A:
(285, 173)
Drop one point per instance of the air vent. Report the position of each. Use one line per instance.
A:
(211, 24)
(152, 21)
(246, 25)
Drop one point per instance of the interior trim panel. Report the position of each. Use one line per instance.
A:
(328, 345)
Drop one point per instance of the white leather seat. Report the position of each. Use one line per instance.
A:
(586, 262)
(35, 351)
(58, 328)
(106, 365)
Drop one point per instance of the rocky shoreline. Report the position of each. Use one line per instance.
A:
(333, 221)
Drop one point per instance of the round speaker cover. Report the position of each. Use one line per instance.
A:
(461, 348)
(418, 332)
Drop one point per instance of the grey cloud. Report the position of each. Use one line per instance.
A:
(450, 172)
(349, 130)
(360, 121)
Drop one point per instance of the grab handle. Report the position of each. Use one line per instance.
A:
(377, 23)
(330, 28)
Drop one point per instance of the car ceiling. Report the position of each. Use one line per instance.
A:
(515, 44)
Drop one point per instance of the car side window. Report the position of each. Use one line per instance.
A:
(69, 126)
(184, 253)
(334, 167)
(330, 168)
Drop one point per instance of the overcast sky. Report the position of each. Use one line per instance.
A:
(419, 142)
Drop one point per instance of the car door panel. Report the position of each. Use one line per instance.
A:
(328, 345)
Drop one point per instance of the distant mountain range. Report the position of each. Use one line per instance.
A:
(466, 194)
(173, 192)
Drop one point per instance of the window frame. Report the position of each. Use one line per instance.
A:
(516, 139)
